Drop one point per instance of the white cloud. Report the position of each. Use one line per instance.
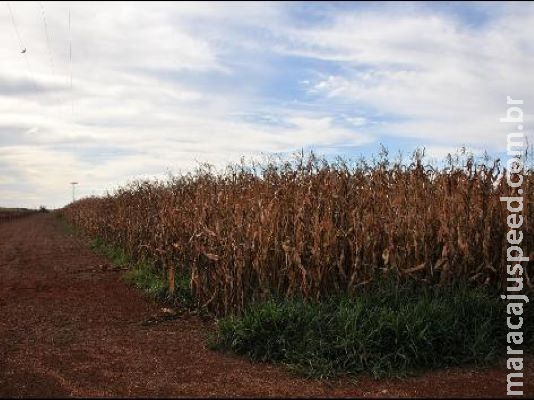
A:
(438, 80)
(160, 86)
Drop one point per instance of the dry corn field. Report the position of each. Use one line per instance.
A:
(313, 228)
(11, 214)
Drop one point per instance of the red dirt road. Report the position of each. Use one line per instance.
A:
(68, 327)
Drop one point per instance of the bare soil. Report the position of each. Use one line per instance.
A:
(69, 326)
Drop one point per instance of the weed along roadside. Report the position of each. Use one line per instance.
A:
(376, 332)
(331, 269)
(143, 275)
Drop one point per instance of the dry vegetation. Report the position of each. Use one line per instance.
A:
(313, 228)
(11, 214)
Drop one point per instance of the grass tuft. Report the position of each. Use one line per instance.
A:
(145, 276)
(382, 332)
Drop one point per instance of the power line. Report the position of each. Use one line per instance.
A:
(45, 25)
(70, 66)
(59, 96)
(21, 44)
(15, 26)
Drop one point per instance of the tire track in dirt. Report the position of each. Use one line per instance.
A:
(69, 328)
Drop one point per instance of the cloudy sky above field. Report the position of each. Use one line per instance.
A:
(159, 87)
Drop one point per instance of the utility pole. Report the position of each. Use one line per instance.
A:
(73, 188)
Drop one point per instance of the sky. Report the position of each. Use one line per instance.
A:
(139, 90)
